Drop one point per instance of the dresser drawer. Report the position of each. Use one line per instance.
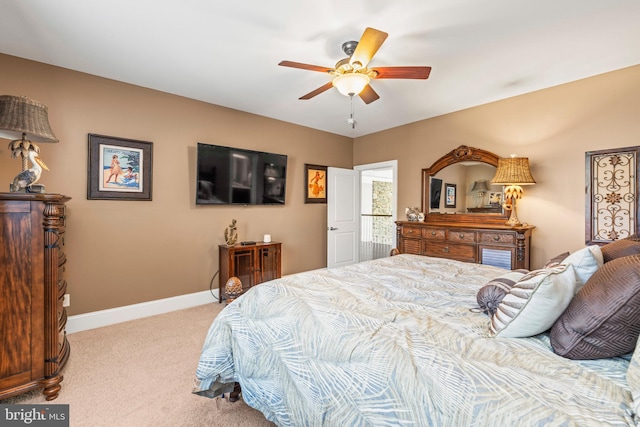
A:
(460, 252)
(505, 238)
(409, 231)
(434, 233)
(412, 246)
(461, 236)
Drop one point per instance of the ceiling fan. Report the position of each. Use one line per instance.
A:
(351, 76)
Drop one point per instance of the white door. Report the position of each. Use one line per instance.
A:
(343, 225)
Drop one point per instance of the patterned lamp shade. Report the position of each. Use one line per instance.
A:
(513, 171)
(20, 116)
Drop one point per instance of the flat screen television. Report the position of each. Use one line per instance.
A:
(228, 175)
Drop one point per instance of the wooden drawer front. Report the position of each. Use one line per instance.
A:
(504, 238)
(455, 251)
(461, 236)
(409, 231)
(434, 233)
(412, 246)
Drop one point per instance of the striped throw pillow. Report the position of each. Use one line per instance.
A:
(491, 294)
(535, 302)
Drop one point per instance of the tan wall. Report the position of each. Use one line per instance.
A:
(552, 127)
(125, 252)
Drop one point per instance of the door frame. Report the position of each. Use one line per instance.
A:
(393, 164)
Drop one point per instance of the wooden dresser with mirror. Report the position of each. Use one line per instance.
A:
(457, 232)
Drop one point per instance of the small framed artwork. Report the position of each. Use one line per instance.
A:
(119, 169)
(495, 199)
(316, 187)
(450, 195)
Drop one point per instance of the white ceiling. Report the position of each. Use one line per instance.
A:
(227, 52)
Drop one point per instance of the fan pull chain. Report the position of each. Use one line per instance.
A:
(351, 120)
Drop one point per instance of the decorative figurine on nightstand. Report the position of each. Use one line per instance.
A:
(230, 234)
(27, 178)
(233, 289)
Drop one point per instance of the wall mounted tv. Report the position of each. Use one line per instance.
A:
(228, 175)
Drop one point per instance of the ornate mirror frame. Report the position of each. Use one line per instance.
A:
(463, 153)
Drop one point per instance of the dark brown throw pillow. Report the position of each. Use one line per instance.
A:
(491, 294)
(603, 319)
(620, 248)
(556, 260)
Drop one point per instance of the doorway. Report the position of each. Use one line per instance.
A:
(378, 208)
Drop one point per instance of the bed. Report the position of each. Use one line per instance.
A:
(404, 341)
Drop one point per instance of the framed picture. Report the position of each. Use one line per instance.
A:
(119, 169)
(495, 199)
(450, 195)
(316, 187)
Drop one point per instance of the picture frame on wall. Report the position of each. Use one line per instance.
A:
(450, 195)
(316, 186)
(495, 198)
(119, 168)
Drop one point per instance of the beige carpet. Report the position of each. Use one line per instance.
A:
(140, 373)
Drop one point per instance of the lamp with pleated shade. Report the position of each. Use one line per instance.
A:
(480, 188)
(513, 172)
(25, 121)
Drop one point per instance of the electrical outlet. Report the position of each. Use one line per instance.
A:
(66, 301)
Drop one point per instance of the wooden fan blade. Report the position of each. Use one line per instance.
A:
(402, 72)
(368, 45)
(305, 66)
(369, 95)
(317, 91)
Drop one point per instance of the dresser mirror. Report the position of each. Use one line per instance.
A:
(453, 188)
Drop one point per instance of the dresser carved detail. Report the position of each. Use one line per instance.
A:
(33, 342)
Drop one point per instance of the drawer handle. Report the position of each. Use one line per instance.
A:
(461, 236)
(433, 233)
(496, 238)
(446, 249)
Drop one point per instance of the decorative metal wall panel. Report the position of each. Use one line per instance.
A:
(612, 194)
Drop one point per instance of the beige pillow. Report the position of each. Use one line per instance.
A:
(585, 261)
(535, 302)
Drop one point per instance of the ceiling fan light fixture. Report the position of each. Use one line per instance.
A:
(351, 84)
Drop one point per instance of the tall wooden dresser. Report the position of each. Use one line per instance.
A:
(33, 343)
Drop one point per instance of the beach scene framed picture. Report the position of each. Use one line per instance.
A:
(119, 168)
(450, 196)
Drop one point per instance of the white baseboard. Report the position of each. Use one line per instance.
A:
(98, 319)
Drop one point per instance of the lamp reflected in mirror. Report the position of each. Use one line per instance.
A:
(480, 188)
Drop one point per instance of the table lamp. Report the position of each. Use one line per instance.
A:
(513, 172)
(480, 188)
(24, 121)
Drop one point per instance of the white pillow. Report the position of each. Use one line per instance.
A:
(535, 302)
(585, 261)
(633, 380)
